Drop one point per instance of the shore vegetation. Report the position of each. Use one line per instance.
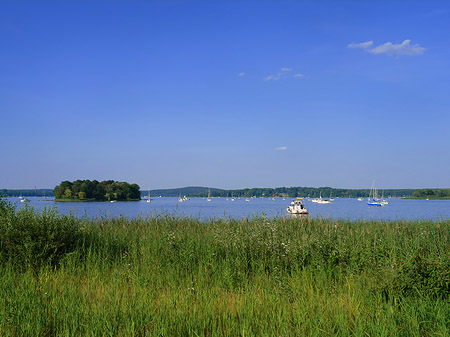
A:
(87, 190)
(163, 275)
(431, 194)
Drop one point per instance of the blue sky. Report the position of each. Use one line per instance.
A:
(225, 94)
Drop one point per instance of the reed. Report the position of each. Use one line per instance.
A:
(165, 275)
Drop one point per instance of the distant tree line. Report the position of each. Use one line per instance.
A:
(26, 193)
(313, 192)
(87, 190)
(429, 193)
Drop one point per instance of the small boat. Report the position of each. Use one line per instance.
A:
(360, 199)
(384, 201)
(373, 196)
(320, 200)
(149, 200)
(297, 207)
(247, 199)
(209, 195)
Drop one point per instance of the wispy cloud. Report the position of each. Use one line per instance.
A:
(404, 48)
(283, 73)
(363, 45)
(281, 148)
(388, 48)
(241, 74)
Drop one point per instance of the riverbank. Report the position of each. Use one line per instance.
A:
(172, 276)
(427, 198)
(91, 200)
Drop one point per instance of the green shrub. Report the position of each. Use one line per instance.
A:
(424, 276)
(30, 239)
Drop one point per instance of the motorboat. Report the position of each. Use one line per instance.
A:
(297, 207)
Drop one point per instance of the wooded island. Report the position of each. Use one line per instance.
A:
(87, 190)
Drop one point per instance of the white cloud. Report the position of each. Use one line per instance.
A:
(363, 45)
(275, 77)
(241, 74)
(283, 73)
(281, 148)
(404, 48)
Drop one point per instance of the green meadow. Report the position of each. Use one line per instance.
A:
(169, 276)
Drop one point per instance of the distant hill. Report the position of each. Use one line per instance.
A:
(176, 192)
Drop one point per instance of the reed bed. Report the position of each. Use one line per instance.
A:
(165, 275)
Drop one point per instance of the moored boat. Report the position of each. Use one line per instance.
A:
(297, 207)
(373, 199)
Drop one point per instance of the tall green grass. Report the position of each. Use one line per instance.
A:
(165, 275)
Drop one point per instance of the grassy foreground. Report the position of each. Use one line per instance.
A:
(170, 276)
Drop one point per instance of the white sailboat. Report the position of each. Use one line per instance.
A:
(149, 200)
(373, 196)
(383, 200)
(320, 200)
(209, 195)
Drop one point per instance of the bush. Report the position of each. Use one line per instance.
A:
(31, 239)
(424, 276)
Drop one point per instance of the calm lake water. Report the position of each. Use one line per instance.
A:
(219, 208)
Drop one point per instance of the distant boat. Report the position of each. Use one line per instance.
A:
(360, 199)
(297, 207)
(384, 201)
(247, 199)
(373, 199)
(209, 195)
(320, 200)
(149, 200)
